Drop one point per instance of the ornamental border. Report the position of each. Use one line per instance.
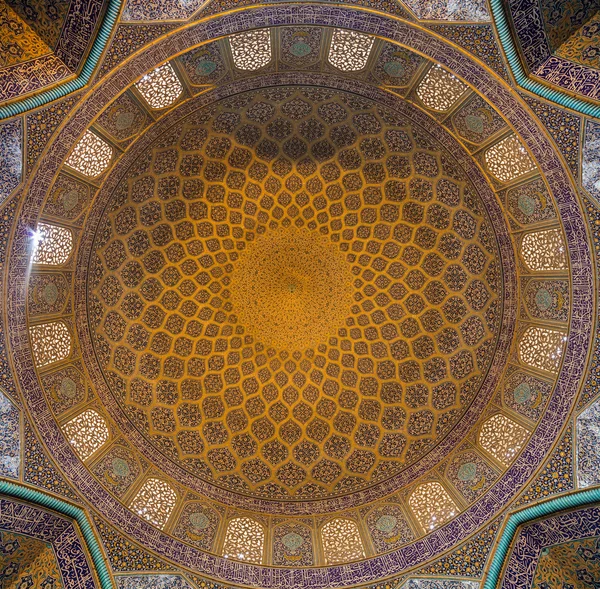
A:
(76, 514)
(61, 89)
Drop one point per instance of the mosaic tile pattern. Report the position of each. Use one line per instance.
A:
(469, 559)
(540, 28)
(7, 382)
(580, 311)
(139, 10)
(152, 582)
(11, 156)
(198, 524)
(571, 564)
(123, 555)
(475, 10)
(10, 443)
(68, 27)
(39, 471)
(557, 475)
(28, 562)
(439, 584)
(273, 384)
(127, 39)
(588, 446)
(48, 544)
(591, 388)
(478, 40)
(590, 171)
(536, 546)
(471, 474)
(41, 124)
(563, 126)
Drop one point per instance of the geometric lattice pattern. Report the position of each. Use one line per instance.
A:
(244, 540)
(349, 50)
(440, 89)
(51, 342)
(544, 250)
(251, 50)
(502, 438)
(90, 156)
(432, 505)
(283, 316)
(52, 245)
(341, 541)
(161, 87)
(508, 159)
(155, 502)
(87, 432)
(542, 348)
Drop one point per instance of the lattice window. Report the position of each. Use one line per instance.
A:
(349, 50)
(508, 159)
(341, 541)
(51, 342)
(440, 89)
(52, 245)
(542, 348)
(155, 502)
(161, 87)
(502, 438)
(90, 156)
(544, 250)
(87, 432)
(251, 50)
(432, 505)
(244, 540)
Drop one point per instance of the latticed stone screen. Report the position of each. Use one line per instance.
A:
(502, 438)
(91, 156)
(87, 432)
(349, 50)
(440, 89)
(161, 87)
(155, 502)
(244, 540)
(432, 505)
(341, 541)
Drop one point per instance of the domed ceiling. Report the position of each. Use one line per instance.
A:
(297, 287)
(307, 286)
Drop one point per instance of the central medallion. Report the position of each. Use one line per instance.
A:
(292, 289)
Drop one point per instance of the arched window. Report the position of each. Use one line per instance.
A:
(90, 156)
(251, 50)
(161, 87)
(51, 342)
(155, 502)
(440, 89)
(508, 159)
(52, 245)
(542, 348)
(341, 541)
(244, 540)
(87, 432)
(544, 250)
(349, 50)
(502, 438)
(432, 505)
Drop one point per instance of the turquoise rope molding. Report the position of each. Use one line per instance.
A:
(64, 508)
(559, 97)
(551, 507)
(106, 27)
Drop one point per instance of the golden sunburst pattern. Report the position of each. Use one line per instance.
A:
(295, 293)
